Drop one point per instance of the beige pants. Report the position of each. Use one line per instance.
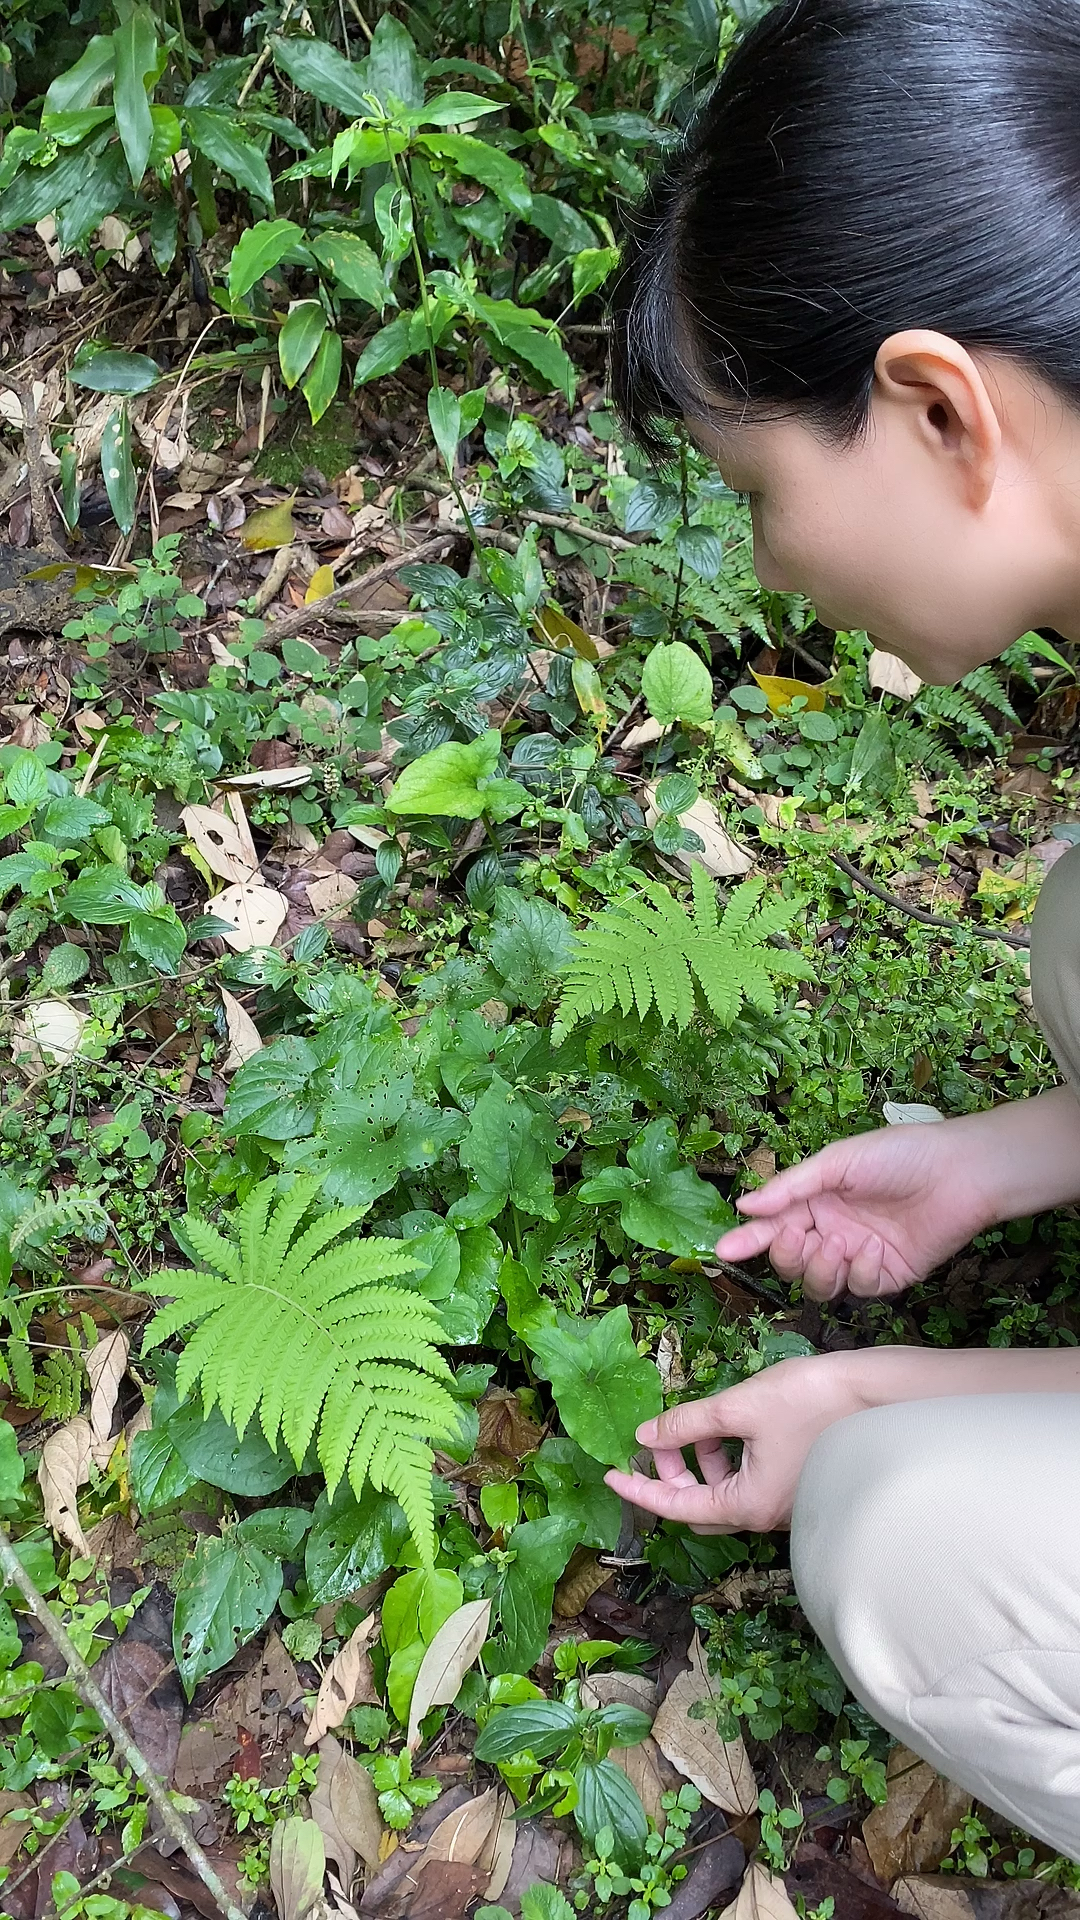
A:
(936, 1548)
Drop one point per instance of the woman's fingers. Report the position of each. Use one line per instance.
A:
(825, 1269)
(795, 1184)
(865, 1277)
(746, 1242)
(714, 1507)
(694, 1420)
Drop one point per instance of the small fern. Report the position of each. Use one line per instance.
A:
(649, 952)
(55, 1216)
(318, 1340)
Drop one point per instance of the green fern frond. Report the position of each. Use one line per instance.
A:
(54, 1216)
(317, 1341)
(648, 952)
(954, 708)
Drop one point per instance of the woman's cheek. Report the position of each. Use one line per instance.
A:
(772, 574)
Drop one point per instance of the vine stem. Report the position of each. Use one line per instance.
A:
(171, 1819)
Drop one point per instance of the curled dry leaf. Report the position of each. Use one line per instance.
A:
(254, 914)
(718, 1768)
(65, 1466)
(899, 1113)
(347, 1679)
(911, 1833)
(889, 675)
(224, 847)
(354, 1805)
(933, 1897)
(468, 1836)
(446, 1662)
(297, 1866)
(244, 1036)
(720, 856)
(762, 1896)
(105, 1365)
(339, 1847)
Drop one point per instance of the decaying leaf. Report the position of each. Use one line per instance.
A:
(320, 585)
(583, 1577)
(933, 1897)
(244, 1036)
(908, 1113)
(354, 1805)
(12, 1832)
(297, 1866)
(718, 1768)
(446, 1662)
(339, 1847)
(779, 691)
(347, 1679)
(720, 856)
(643, 735)
(467, 1836)
(332, 896)
(265, 778)
(762, 1896)
(253, 912)
(65, 1466)
(224, 846)
(49, 1033)
(889, 675)
(912, 1832)
(105, 1365)
(269, 527)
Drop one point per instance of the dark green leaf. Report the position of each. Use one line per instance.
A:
(531, 942)
(80, 85)
(102, 897)
(541, 1727)
(112, 370)
(258, 251)
(662, 1203)
(279, 1530)
(117, 469)
(136, 49)
(354, 265)
(299, 339)
(606, 1799)
(509, 1148)
(323, 376)
(227, 1590)
(319, 69)
(159, 937)
(271, 1095)
(393, 65)
(576, 1492)
(524, 1592)
(603, 1387)
(215, 135)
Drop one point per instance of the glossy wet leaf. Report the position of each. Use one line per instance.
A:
(299, 339)
(259, 249)
(113, 370)
(117, 469)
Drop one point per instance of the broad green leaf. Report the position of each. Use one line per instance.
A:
(136, 47)
(393, 64)
(117, 469)
(603, 1387)
(444, 414)
(524, 1592)
(168, 137)
(100, 188)
(873, 759)
(80, 85)
(227, 1590)
(113, 370)
(354, 265)
(577, 1493)
(607, 1799)
(319, 387)
(544, 352)
(701, 548)
(458, 780)
(102, 897)
(12, 1471)
(215, 135)
(677, 686)
(591, 268)
(467, 1310)
(479, 160)
(41, 190)
(277, 1530)
(26, 782)
(160, 938)
(352, 1542)
(68, 129)
(530, 944)
(662, 1203)
(272, 1094)
(384, 352)
(258, 250)
(73, 817)
(299, 339)
(541, 1727)
(451, 109)
(319, 69)
(509, 1148)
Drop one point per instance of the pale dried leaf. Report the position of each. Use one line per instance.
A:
(266, 778)
(347, 1679)
(890, 675)
(65, 1466)
(105, 1365)
(446, 1662)
(331, 897)
(464, 1834)
(224, 847)
(183, 502)
(933, 1897)
(254, 914)
(244, 1036)
(338, 1845)
(502, 1855)
(49, 1033)
(141, 1421)
(354, 1804)
(909, 1113)
(721, 856)
(623, 1689)
(643, 735)
(762, 1896)
(911, 1833)
(297, 1866)
(718, 1768)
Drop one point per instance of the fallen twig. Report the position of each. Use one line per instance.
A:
(1021, 940)
(759, 1288)
(562, 522)
(40, 511)
(174, 1823)
(319, 609)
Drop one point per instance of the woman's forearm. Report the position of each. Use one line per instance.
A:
(883, 1376)
(1025, 1157)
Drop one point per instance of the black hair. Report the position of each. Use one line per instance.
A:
(861, 166)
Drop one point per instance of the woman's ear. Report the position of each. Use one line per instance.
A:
(946, 402)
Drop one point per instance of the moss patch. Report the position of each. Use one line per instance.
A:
(330, 446)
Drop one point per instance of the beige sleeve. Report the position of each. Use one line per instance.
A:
(1055, 963)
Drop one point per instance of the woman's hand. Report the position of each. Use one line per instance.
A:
(777, 1415)
(873, 1214)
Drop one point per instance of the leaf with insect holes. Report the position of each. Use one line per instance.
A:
(65, 1465)
(117, 470)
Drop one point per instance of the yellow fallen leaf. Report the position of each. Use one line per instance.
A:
(320, 585)
(556, 629)
(269, 527)
(780, 692)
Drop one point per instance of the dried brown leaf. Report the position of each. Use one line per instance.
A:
(221, 844)
(347, 1679)
(911, 1833)
(446, 1662)
(244, 1036)
(464, 1834)
(12, 1832)
(64, 1468)
(720, 856)
(933, 1897)
(297, 1866)
(254, 914)
(106, 1365)
(332, 896)
(890, 675)
(762, 1896)
(354, 1805)
(583, 1577)
(718, 1768)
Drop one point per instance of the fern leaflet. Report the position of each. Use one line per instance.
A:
(318, 1340)
(648, 953)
